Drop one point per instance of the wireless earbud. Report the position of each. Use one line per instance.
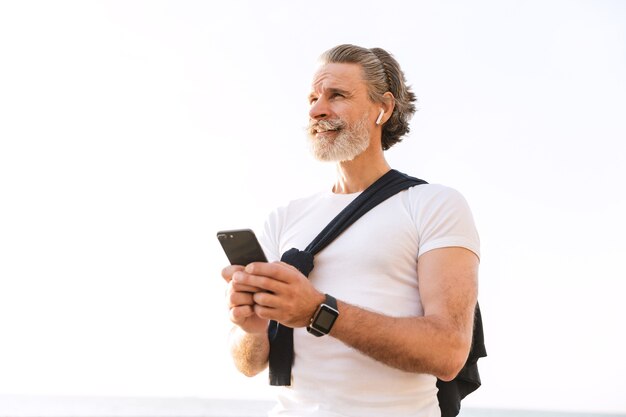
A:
(380, 116)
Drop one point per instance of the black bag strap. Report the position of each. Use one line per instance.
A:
(281, 355)
(467, 381)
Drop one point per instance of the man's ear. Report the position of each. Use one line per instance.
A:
(387, 106)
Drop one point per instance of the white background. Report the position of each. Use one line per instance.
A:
(130, 132)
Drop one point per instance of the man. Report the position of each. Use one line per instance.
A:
(404, 275)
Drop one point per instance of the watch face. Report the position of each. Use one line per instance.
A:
(325, 318)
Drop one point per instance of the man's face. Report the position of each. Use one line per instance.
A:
(339, 124)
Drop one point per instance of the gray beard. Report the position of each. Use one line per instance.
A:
(349, 143)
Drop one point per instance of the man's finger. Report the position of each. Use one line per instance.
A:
(237, 299)
(265, 312)
(266, 299)
(239, 314)
(277, 270)
(227, 273)
(263, 283)
(245, 288)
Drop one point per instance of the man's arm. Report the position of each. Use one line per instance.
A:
(249, 351)
(249, 345)
(437, 343)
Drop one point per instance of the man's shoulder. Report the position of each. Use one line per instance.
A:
(435, 200)
(426, 192)
(318, 207)
(296, 205)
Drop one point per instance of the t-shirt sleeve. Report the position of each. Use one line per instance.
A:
(444, 219)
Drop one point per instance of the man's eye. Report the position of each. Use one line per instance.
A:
(336, 95)
(312, 100)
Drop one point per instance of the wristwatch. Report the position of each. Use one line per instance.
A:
(324, 317)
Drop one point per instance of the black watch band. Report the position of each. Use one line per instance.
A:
(324, 317)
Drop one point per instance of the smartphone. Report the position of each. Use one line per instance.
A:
(241, 246)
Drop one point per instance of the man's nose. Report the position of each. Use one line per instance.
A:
(319, 110)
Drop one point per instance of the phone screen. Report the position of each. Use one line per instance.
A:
(241, 246)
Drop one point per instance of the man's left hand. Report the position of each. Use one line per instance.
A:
(287, 297)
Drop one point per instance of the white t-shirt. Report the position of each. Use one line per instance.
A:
(373, 264)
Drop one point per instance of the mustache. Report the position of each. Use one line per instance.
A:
(325, 124)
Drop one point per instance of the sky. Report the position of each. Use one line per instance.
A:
(131, 132)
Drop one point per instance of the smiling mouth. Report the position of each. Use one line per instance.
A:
(321, 130)
(325, 126)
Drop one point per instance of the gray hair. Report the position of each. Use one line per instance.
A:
(382, 73)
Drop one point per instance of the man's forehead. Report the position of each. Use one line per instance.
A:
(338, 75)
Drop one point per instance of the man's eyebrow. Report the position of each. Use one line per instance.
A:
(332, 90)
(338, 91)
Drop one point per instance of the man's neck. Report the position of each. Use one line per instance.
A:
(356, 175)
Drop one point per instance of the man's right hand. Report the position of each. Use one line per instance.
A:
(239, 298)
